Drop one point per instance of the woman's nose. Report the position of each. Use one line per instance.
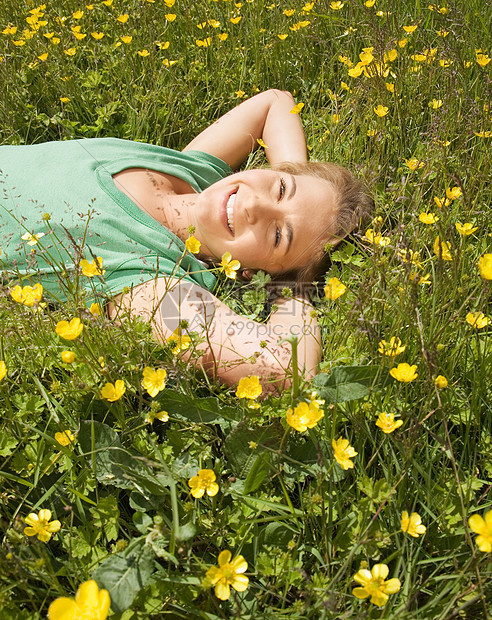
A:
(256, 209)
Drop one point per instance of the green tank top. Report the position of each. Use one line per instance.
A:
(63, 193)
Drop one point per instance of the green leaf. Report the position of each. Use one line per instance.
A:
(243, 445)
(7, 444)
(115, 464)
(199, 410)
(124, 574)
(346, 383)
(260, 469)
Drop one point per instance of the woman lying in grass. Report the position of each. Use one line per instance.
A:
(113, 217)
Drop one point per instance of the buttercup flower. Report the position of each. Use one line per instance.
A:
(428, 218)
(452, 193)
(343, 452)
(228, 574)
(69, 331)
(68, 357)
(192, 245)
(466, 228)
(441, 249)
(32, 239)
(334, 289)
(229, 266)
(442, 202)
(374, 585)
(297, 108)
(90, 603)
(414, 164)
(113, 392)
(163, 416)
(381, 110)
(39, 525)
(304, 416)
(180, 342)
(95, 309)
(249, 387)
(203, 482)
(154, 381)
(482, 527)
(477, 319)
(27, 295)
(392, 348)
(3, 369)
(387, 422)
(441, 382)
(65, 438)
(92, 269)
(485, 266)
(375, 238)
(404, 372)
(412, 524)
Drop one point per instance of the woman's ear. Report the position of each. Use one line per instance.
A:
(247, 274)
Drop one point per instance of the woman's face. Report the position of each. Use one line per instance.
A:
(266, 219)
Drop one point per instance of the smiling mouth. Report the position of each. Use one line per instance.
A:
(230, 212)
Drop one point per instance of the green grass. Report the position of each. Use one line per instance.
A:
(302, 523)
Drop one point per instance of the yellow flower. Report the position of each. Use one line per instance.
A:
(69, 331)
(414, 164)
(204, 43)
(170, 17)
(485, 266)
(441, 249)
(169, 3)
(381, 110)
(260, 141)
(223, 36)
(95, 309)
(229, 266)
(78, 14)
(477, 319)
(435, 104)
(123, 18)
(68, 357)
(410, 29)
(70, 51)
(337, 5)
(64, 99)
(372, 132)
(390, 86)
(43, 57)
(235, 20)
(192, 245)
(334, 289)
(39, 525)
(452, 193)
(482, 527)
(442, 202)
(65, 438)
(441, 382)
(31, 238)
(428, 218)
(90, 603)
(289, 12)
(163, 416)
(483, 134)
(282, 37)
(97, 35)
(304, 416)
(390, 56)
(203, 482)
(387, 422)
(92, 269)
(228, 574)
(297, 108)
(180, 342)
(356, 71)
(126, 39)
(343, 452)
(465, 229)
(374, 585)
(154, 381)
(3, 369)
(482, 59)
(404, 372)
(114, 392)
(27, 295)
(392, 348)
(412, 524)
(169, 63)
(375, 238)
(143, 53)
(249, 387)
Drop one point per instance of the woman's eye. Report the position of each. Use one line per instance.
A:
(282, 189)
(278, 236)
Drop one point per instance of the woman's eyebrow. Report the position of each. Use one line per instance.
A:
(293, 186)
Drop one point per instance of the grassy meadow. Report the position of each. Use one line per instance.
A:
(400, 92)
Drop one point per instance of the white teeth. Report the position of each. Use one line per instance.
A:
(230, 211)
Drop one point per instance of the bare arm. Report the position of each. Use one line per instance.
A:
(265, 116)
(232, 346)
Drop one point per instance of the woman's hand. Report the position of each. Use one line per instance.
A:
(265, 116)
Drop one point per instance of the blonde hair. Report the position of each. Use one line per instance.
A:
(354, 203)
